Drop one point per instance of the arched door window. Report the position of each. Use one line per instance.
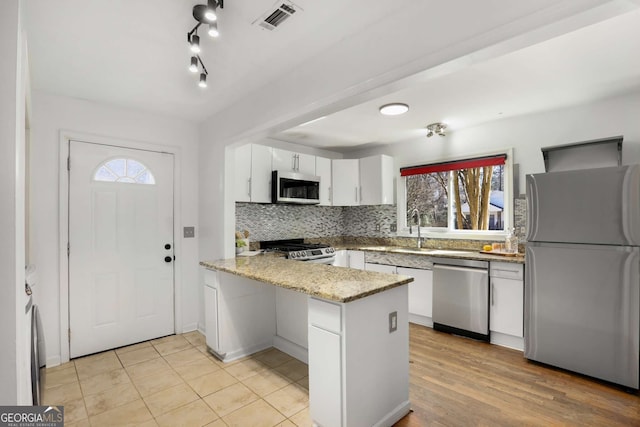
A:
(124, 170)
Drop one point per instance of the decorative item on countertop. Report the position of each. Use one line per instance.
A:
(511, 242)
(242, 243)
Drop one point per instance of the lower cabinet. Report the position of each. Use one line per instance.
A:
(341, 258)
(506, 311)
(380, 268)
(420, 295)
(325, 395)
(291, 323)
(358, 370)
(356, 259)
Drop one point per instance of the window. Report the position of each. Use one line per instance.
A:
(463, 195)
(124, 170)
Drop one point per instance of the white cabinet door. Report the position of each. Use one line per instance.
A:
(323, 170)
(345, 182)
(260, 173)
(420, 291)
(376, 180)
(306, 164)
(211, 317)
(253, 173)
(356, 259)
(506, 313)
(380, 268)
(243, 173)
(285, 160)
(341, 259)
(325, 379)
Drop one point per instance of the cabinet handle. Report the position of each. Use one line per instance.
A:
(298, 162)
(356, 194)
(360, 193)
(249, 187)
(493, 292)
(330, 195)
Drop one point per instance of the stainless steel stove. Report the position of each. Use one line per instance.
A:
(297, 250)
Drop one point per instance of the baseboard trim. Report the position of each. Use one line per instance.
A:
(421, 320)
(291, 348)
(242, 352)
(395, 415)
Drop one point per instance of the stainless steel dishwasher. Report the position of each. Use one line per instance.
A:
(461, 297)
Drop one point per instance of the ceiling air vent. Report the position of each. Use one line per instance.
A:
(274, 17)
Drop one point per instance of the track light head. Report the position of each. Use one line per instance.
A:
(203, 80)
(436, 128)
(210, 12)
(194, 64)
(213, 30)
(195, 43)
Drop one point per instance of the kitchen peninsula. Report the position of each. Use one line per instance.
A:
(355, 329)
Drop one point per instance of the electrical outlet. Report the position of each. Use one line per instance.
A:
(393, 321)
(189, 232)
(377, 227)
(394, 227)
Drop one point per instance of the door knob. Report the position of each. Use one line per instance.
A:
(167, 246)
(167, 259)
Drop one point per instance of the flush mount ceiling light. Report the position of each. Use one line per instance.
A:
(394, 109)
(436, 128)
(203, 14)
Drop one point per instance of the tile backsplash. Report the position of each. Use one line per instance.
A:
(275, 222)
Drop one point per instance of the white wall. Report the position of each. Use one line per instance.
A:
(527, 134)
(51, 114)
(14, 373)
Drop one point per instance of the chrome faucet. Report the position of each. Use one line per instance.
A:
(416, 213)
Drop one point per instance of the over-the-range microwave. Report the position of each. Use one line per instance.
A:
(293, 187)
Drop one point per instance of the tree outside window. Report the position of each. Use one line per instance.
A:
(458, 198)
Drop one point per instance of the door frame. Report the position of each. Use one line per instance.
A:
(63, 239)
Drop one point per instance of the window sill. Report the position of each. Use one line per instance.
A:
(448, 234)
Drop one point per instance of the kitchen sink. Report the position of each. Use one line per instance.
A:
(448, 252)
(417, 251)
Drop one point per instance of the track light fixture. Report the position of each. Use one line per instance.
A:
(195, 43)
(204, 14)
(436, 128)
(194, 64)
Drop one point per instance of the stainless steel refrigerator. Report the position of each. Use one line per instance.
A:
(582, 289)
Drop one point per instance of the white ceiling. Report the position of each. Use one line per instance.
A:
(594, 62)
(134, 54)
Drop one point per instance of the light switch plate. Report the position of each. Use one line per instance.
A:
(189, 232)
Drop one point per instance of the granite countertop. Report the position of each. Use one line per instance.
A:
(436, 253)
(324, 281)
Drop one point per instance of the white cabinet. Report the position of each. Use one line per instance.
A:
(323, 170)
(506, 314)
(356, 259)
(325, 364)
(376, 180)
(341, 258)
(420, 295)
(366, 181)
(285, 160)
(380, 268)
(253, 173)
(358, 370)
(345, 186)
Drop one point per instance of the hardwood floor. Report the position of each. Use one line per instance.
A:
(460, 382)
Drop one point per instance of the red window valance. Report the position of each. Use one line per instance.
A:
(478, 162)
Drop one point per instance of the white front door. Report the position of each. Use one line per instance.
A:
(121, 274)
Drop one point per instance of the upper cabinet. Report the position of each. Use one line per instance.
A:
(376, 180)
(284, 160)
(323, 170)
(366, 181)
(253, 173)
(345, 186)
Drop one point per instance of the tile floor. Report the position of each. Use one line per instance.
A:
(174, 381)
